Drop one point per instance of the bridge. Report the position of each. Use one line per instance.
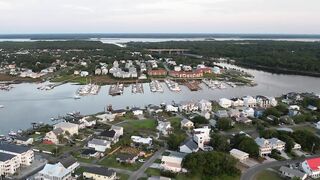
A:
(170, 51)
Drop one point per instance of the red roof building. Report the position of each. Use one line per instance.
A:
(312, 167)
(186, 74)
(158, 72)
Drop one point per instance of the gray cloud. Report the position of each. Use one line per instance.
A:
(230, 16)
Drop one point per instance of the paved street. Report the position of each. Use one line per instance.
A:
(251, 172)
(137, 174)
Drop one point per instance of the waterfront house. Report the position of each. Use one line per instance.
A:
(23, 140)
(236, 102)
(158, 72)
(137, 111)
(240, 155)
(171, 163)
(119, 112)
(205, 105)
(311, 167)
(225, 103)
(171, 108)
(266, 102)
(52, 137)
(99, 145)
(186, 123)
(54, 172)
(106, 117)
(188, 146)
(188, 106)
(154, 109)
(292, 173)
(249, 101)
(67, 127)
(99, 173)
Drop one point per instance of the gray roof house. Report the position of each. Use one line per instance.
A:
(188, 146)
(291, 173)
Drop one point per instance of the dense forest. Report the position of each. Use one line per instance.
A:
(275, 56)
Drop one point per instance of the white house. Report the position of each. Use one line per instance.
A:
(164, 127)
(205, 105)
(189, 146)
(201, 136)
(99, 173)
(171, 163)
(249, 101)
(292, 173)
(137, 111)
(84, 73)
(118, 130)
(141, 140)
(171, 108)
(248, 112)
(8, 164)
(106, 117)
(54, 172)
(240, 155)
(277, 144)
(236, 102)
(188, 106)
(267, 145)
(225, 103)
(66, 126)
(312, 167)
(99, 145)
(186, 123)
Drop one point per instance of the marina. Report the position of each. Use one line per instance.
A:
(24, 99)
(155, 86)
(116, 89)
(213, 84)
(193, 85)
(6, 87)
(137, 88)
(89, 89)
(173, 86)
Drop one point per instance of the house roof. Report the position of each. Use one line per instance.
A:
(57, 131)
(190, 144)
(100, 142)
(185, 121)
(88, 151)
(109, 133)
(56, 170)
(124, 157)
(238, 152)
(99, 171)
(5, 157)
(67, 161)
(14, 148)
(295, 173)
(314, 163)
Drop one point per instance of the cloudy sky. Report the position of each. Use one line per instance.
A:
(163, 16)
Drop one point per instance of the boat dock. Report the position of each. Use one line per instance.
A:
(155, 86)
(137, 88)
(193, 85)
(214, 84)
(5, 87)
(89, 89)
(116, 89)
(173, 86)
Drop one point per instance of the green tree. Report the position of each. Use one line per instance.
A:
(219, 142)
(224, 124)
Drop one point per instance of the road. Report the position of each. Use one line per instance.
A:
(251, 172)
(137, 174)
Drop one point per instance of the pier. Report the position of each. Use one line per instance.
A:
(173, 86)
(155, 86)
(137, 88)
(192, 85)
(116, 89)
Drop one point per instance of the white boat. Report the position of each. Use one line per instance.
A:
(76, 97)
(12, 133)
(1, 106)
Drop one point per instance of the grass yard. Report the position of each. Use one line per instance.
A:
(267, 175)
(152, 172)
(136, 127)
(123, 176)
(306, 127)
(110, 161)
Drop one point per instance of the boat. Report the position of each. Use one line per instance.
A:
(76, 97)
(12, 133)
(173, 86)
(1, 106)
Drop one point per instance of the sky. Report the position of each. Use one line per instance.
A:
(160, 16)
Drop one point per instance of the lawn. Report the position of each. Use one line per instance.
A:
(267, 175)
(110, 161)
(141, 124)
(152, 172)
(123, 176)
(306, 127)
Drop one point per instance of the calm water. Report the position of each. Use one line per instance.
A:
(25, 103)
